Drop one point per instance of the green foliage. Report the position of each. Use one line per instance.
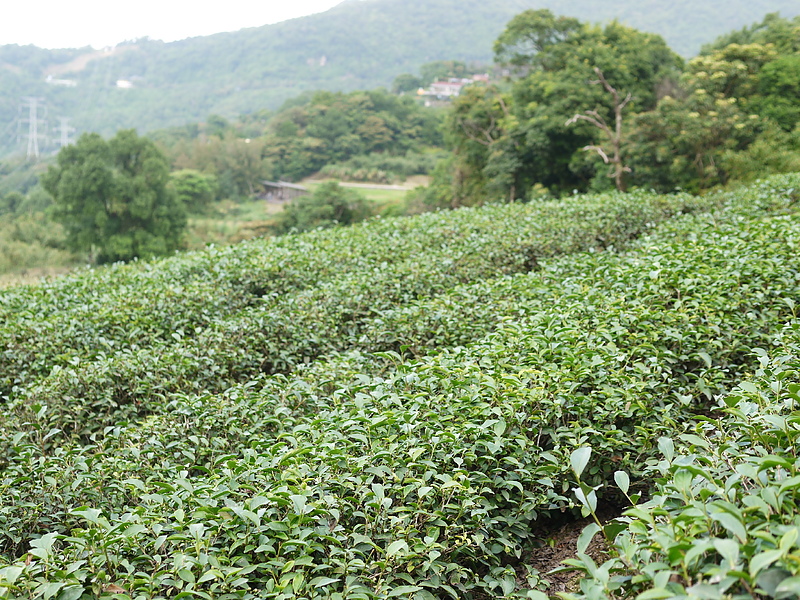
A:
(782, 33)
(773, 151)
(505, 142)
(11, 202)
(375, 130)
(30, 240)
(114, 196)
(19, 175)
(383, 168)
(195, 190)
(381, 474)
(680, 144)
(723, 517)
(779, 91)
(479, 129)
(531, 33)
(406, 82)
(334, 128)
(330, 204)
(691, 132)
(233, 165)
(218, 317)
(723, 126)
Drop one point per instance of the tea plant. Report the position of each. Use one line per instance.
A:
(398, 474)
(108, 346)
(723, 521)
(376, 470)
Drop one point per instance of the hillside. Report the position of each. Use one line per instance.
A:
(409, 408)
(359, 44)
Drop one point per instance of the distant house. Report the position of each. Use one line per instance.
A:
(62, 82)
(451, 87)
(282, 191)
(442, 91)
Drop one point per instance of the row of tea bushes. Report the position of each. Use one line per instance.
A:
(351, 478)
(108, 346)
(724, 518)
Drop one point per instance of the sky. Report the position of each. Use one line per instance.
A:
(102, 23)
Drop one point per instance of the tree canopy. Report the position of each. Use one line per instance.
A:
(582, 103)
(507, 138)
(113, 199)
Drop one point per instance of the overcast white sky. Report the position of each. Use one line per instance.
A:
(101, 23)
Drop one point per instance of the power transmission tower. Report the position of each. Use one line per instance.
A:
(64, 131)
(32, 104)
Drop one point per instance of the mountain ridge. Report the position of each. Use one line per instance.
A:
(358, 44)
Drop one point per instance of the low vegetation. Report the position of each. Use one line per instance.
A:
(387, 410)
(380, 168)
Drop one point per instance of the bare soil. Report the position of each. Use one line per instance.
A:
(560, 543)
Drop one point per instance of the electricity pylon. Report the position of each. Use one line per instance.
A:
(32, 104)
(64, 131)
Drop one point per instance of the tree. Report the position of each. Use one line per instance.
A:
(680, 144)
(333, 127)
(10, 203)
(682, 141)
(531, 33)
(779, 91)
(406, 83)
(782, 34)
(195, 190)
(113, 199)
(613, 136)
(508, 139)
(486, 164)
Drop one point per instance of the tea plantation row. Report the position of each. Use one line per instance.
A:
(419, 475)
(108, 346)
(724, 519)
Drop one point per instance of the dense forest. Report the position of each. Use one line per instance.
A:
(356, 45)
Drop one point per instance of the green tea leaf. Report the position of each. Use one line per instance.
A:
(579, 459)
(585, 538)
(622, 480)
(395, 547)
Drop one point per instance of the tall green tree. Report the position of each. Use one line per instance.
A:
(195, 190)
(508, 138)
(734, 114)
(113, 199)
(733, 117)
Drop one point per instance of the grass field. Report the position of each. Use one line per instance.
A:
(381, 197)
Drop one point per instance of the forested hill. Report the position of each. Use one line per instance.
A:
(359, 44)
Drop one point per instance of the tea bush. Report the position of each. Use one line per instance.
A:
(108, 345)
(724, 520)
(379, 471)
